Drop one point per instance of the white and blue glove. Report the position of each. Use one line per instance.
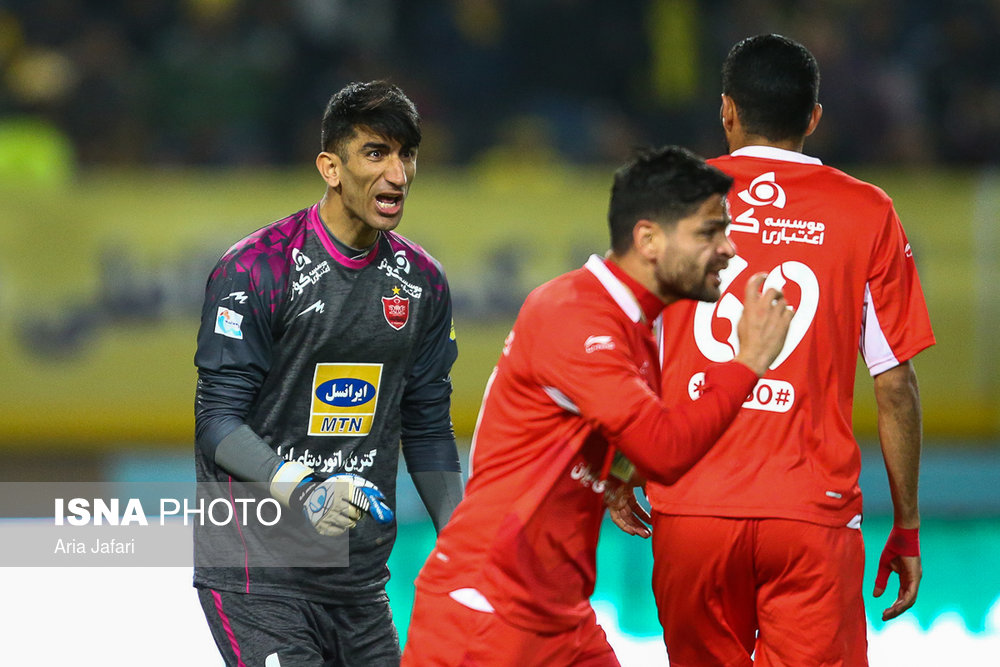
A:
(333, 504)
(366, 496)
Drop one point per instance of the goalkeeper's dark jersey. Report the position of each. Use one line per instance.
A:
(332, 361)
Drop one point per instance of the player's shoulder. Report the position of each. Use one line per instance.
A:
(567, 298)
(280, 237)
(860, 190)
(267, 255)
(564, 287)
(409, 256)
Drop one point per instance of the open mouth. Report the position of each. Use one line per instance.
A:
(389, 204)
(715, 272)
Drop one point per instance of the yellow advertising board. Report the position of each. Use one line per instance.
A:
(101, 283)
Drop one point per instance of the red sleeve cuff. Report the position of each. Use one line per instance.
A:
(732, 374)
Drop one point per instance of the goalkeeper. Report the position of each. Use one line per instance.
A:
(326, 342)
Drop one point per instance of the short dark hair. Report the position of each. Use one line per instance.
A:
(774, 82)
(663, 185)
(377, 105)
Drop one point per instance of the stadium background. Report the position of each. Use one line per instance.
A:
(138, 140)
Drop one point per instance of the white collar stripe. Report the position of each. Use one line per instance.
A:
(773, 153)
(621, 294)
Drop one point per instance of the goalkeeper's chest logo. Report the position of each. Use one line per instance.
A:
(344, 398)
(396, 309)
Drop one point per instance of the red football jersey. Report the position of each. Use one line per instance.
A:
(577, 379)
(836, 248)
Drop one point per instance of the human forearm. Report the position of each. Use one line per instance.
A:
(440, 491)
(664, 443)
(682, 435)
(900, 433)
(222, 402)
(436, 472)
(245, 456)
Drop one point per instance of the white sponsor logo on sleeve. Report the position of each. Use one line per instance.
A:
(228, 323)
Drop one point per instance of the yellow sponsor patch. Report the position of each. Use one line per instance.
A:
(344, 397)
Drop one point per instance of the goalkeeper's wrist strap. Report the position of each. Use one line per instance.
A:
(905, 541)
(289, 482)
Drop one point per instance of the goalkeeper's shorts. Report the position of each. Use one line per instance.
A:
(255, 629)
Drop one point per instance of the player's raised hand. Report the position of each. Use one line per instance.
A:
(763, 326)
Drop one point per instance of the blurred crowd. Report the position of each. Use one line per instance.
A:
(244, 82)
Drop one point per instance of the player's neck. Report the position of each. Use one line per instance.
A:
(347, 229)
(642, 273)
(738, 136)
(744, 140)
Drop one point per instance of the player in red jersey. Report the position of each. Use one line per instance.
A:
(758, 554)
(509, 580)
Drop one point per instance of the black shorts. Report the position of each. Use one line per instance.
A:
(272, 631)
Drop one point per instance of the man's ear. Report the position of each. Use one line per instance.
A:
(329, 166)
(727, 113)
(814, 117)
(646, 238)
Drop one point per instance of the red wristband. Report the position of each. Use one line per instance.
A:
(904, 541)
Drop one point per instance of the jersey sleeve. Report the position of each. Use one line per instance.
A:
(233, 355)
(587, 364)
(895, 324)
(428, 439)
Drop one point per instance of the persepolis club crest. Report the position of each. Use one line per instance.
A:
(396, 309)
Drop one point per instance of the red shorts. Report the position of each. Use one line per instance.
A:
(788, 590)
(444, 633)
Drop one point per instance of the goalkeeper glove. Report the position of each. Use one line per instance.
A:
(332, 504)
(366, 496)
(326, 502)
